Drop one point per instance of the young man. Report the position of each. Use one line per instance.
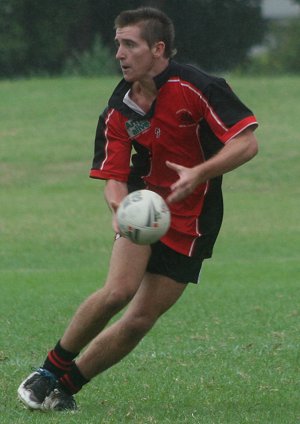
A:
(187, 129)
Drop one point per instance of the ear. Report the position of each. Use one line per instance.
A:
(158, 49)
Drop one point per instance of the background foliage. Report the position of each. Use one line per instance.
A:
(283, 54)
(40, 36)
(280, 49)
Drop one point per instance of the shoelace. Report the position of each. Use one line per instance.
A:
(47, 374)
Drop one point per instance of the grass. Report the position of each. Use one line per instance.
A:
(228, 351)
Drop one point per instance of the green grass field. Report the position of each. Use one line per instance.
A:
(228, 352)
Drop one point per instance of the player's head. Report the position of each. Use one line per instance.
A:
(155, 26)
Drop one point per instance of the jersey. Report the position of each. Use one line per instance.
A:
(192, 117)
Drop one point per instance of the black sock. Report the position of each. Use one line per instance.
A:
(73, 380)
(59, 361)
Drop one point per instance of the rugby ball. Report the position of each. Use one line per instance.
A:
(143, 217)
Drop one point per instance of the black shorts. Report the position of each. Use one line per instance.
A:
(165, 261)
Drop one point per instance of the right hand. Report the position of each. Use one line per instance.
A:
(114, 192)
(114, 207)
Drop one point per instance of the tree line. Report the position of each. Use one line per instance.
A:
(52, 36)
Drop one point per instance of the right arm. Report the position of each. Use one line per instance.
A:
(114, 192)
(112, 159)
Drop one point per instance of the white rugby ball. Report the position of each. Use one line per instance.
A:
(143, 217)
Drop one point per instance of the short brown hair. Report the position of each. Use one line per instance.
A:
(155, 26)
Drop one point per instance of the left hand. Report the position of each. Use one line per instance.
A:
(185, 185)
(235, 153)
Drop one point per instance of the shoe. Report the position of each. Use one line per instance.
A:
(59, 400)
(34, 389)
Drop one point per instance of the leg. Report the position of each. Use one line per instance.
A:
(124, 278)
(155, 296)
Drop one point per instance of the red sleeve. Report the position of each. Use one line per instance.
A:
(112, 148)
(224, 112)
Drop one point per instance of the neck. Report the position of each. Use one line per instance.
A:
(146, 86)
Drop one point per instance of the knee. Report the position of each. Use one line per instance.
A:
(137, 326)
(116, 299)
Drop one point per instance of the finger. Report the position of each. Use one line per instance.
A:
(179, 192)
(114, 206)
(174, 166)
(174, 197)
(178, 185)
(170, 198)
(115, 225)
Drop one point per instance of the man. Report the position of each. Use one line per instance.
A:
(187, 129)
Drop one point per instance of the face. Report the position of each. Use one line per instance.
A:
(137, 59)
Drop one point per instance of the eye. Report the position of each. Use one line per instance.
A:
(130, 44)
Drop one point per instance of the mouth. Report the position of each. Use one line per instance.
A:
(124, 68)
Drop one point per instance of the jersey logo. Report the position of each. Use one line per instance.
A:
(185, 118)
(136, 127)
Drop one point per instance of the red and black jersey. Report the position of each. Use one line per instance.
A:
(193, 116)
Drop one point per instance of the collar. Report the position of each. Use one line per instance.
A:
(116, 99)
(163, 77)
(127, 100)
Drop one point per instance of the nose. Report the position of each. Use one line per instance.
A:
(120, 53)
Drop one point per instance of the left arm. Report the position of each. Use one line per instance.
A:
(235, 153)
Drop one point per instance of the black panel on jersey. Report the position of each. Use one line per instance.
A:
(210, 220)
(100, 141)
(139, 168)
